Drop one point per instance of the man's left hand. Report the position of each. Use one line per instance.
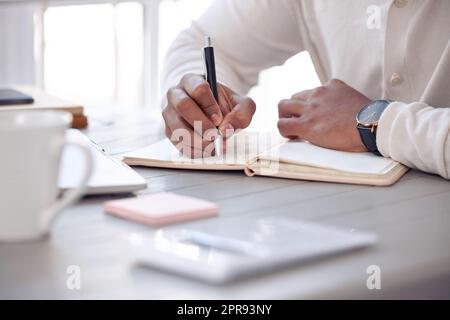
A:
(324, 116)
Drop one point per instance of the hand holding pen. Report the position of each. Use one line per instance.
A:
(193, 100)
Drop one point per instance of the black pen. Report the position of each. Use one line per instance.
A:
(210, 74)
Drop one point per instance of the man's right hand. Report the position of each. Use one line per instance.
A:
(191, 103)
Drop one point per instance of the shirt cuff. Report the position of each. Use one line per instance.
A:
(385, 126)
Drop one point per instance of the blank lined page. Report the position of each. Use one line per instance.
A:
(240, 149)
(303, 153)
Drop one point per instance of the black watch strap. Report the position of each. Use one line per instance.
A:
(369, 139)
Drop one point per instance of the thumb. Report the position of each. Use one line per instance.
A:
(239, 117)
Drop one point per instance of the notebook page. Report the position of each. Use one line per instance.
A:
(240, 149)
(303, 153)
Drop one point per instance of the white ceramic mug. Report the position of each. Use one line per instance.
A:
(31, 146)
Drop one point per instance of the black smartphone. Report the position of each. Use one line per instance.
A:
(12, 97)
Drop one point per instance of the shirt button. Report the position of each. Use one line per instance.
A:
(395, 79)
(400, 3)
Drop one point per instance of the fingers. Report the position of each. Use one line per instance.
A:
(186, 150)
(291, 128)
(189, 110)
(180, 132)
(224, 101)
(198, 89)
(239, 117)
(192, 102)
(292, 123)
(289, 108)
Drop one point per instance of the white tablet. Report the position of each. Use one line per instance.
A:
(228, 253)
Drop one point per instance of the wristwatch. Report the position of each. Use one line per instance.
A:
(367, 123)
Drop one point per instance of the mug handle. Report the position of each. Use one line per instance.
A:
(72, 195)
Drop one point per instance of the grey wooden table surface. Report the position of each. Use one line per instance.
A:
(411, 218)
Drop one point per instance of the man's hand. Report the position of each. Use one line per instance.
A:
(324, 116)
(192, 101)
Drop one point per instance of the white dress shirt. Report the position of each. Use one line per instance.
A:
(398, 50)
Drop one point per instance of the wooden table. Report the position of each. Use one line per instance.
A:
(411, 218)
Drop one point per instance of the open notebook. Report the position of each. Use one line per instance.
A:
(268, 154)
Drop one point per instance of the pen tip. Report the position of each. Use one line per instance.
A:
(208, 41)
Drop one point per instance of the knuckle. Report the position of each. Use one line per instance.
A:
(279, 124)
(241, 120)
(284, 133)
(209, 109)
(283, 103)
(200, 90)
(183, 105)
(318, 92)
(170, 93)
(185, 77)
(283, 107)
(251, 104)
(165, 113)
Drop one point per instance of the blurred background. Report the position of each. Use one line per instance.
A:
(108, 54)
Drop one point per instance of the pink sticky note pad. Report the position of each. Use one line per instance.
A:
(161, 208)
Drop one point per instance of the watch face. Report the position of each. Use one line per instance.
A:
(370, 114)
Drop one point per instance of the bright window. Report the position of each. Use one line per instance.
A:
(95, 54)
(176, 16)
(278, 83)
